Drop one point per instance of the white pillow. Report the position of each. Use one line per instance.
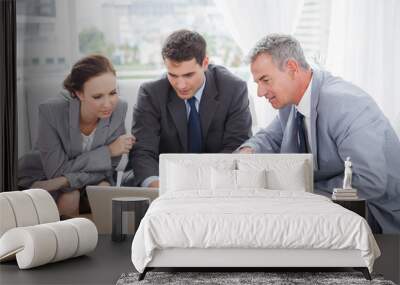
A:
(291, 178)
(226, 179)
(251, 178)
(283, 174)
(182, 177)
(193, 175)
(223, 179)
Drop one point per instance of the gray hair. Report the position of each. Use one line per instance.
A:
(281, 48)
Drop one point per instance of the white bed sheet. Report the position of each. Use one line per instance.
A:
(251, 218)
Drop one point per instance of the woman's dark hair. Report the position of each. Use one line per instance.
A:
(86, 68)
(183, 45)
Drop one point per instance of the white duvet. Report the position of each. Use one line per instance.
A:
(250, 219)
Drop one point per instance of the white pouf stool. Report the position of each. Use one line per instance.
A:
(31, 230)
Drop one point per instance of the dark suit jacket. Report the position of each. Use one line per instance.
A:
(58, 150)
(160, 120)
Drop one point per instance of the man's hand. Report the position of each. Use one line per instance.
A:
(121, 145)
(155, 184)
(246, 149)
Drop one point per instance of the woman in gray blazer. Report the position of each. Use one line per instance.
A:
(81, 135)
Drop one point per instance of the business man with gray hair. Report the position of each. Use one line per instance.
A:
(332, 119)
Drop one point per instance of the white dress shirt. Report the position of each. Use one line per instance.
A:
(304, 107)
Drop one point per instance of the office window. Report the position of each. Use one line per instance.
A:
(35, 61)
(54, 34)
(49, 60)
(313, 29)
(131, 33)
(41, 8)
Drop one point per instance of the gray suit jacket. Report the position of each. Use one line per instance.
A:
(58, 150)
(345, 121)
(160, 120)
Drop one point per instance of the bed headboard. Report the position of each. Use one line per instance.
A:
(287, 162)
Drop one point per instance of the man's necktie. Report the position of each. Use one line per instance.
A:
(194, 128)
(301, 133)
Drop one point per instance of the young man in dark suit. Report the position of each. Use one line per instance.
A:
(196, 107)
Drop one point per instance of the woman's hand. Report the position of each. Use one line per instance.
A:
(51, 184)
(121, 145)
(104, 183)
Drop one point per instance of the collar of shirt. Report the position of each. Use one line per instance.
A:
(305, 102)
(197, 95)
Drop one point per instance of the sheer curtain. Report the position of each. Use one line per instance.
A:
(364, 48)
(249, 21)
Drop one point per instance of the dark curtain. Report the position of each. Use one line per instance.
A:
(8, 97)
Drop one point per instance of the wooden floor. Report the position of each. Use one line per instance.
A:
(110, 259)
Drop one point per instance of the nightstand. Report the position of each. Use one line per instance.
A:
(358, 206)
(139, 205)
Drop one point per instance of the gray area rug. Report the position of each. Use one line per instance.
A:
(228, 278)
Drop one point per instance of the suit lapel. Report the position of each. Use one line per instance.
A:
(101, 133)
(177, 110)
(289, 139)
(74, 130)
(208, 104)
(314, 116)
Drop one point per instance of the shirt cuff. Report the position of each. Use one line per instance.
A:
(149, 180)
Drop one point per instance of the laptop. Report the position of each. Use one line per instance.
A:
(100, 200)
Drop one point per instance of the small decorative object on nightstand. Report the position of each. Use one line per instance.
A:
(358, 206)
(347, 196)
(347, 192)
(139, 205)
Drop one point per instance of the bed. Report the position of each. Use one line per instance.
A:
(242, 211)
